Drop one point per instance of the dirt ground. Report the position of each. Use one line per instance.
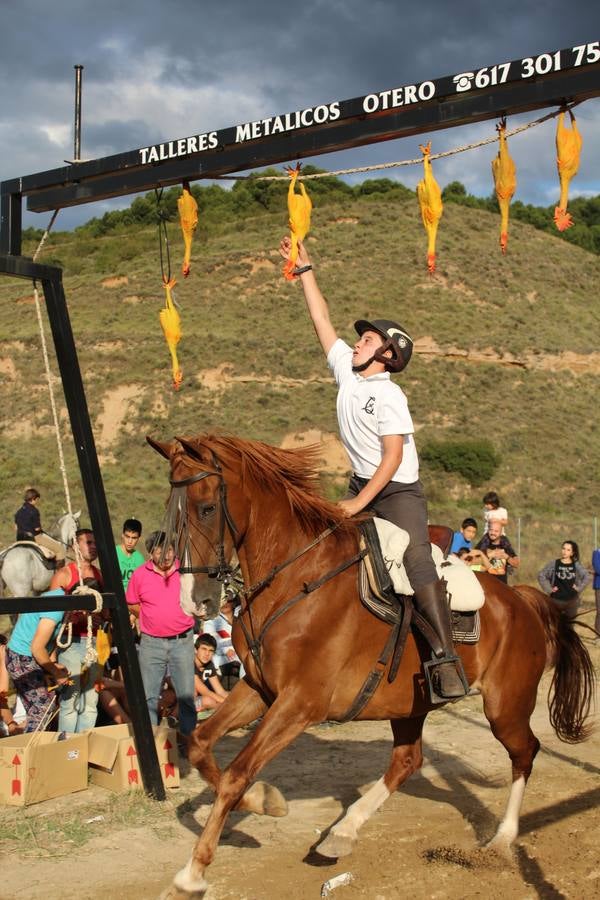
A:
(422, 844)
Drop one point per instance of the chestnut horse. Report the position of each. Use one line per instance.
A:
(301, 636)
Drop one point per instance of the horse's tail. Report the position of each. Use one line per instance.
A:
(573, 684)
(574, 679)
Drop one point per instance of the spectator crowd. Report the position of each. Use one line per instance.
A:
(63, 666)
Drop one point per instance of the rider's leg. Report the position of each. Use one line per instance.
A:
(405, 506)
(430, 600)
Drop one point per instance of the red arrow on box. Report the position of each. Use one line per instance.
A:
(132, 775)
(16, 784)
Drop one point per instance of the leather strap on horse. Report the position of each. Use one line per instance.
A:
(374, 677)
(407, 615)
(254, 589)
(254, 644)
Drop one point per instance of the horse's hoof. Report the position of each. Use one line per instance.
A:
(264, 800)
(335, 846)
(500, 844)
(173, 893)
(187, 885)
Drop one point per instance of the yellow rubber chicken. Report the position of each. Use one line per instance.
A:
(171, 326)
(430, 201)
(505, 181)
(188, 217)
(299, 208)
(568, 149)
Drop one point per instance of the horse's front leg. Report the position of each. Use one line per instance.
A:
(407, 757)
(242, 706)
(282, 722)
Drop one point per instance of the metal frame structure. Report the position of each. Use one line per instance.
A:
(557, 78)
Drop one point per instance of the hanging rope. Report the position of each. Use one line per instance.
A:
(405, 162)
(163, 237)
(61, 642)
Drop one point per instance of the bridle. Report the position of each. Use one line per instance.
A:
(223, 571)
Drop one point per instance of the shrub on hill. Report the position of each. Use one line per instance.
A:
(476, 461)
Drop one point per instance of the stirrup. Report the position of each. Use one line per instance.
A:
(430, 666)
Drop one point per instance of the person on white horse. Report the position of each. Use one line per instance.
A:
(28, 526)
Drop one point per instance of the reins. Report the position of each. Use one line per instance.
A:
(223, 570)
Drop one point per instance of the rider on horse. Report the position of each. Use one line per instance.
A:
(28, 526)
(377, 431)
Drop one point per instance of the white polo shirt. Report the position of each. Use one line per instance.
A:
(368, 409)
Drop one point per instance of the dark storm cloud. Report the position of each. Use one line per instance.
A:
(155, 71)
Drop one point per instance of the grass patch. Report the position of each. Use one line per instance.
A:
(35, 831)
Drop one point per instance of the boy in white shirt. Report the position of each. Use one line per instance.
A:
(377, 431)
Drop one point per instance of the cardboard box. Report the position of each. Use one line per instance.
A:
(36, 767)
(113, 758)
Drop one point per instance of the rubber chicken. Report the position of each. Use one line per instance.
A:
(505, 180)
(430, 201)
(568, 149)
(299, 208)
(171, 326)
(188, 216)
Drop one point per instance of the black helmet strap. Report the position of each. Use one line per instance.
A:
(377, 356)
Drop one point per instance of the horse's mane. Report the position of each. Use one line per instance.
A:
(292, 473)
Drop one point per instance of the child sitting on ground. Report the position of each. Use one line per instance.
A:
(210, 693)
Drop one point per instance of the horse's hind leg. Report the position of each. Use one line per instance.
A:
(509, 720)
(242, 706)
(283, 722)
(407, 757)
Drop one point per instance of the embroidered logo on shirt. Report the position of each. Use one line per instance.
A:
(369, 406)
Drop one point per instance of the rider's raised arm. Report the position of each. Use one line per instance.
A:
(315, 301)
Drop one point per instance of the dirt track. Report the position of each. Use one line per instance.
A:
(422, 844)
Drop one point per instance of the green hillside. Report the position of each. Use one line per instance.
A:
(506, 353)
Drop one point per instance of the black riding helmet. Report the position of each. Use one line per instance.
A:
(395, 338)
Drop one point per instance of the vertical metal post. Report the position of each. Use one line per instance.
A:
(519, 537)
(77, 128)
(96, 501)
(10, 223)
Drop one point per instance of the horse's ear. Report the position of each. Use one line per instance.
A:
(77, 515)
(165, 449)
(191, 449)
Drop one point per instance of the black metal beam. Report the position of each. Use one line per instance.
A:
(549, 79)
(11, 605)
(93, 486)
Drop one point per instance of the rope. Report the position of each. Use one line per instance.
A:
(405, 162)
(90, 651)
(163, 236)
(49, 379)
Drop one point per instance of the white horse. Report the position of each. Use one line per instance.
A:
(21, 568)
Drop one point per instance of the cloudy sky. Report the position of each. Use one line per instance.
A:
(156, 71)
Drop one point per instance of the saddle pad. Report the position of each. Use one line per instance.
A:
(466, 627)
(464, 590)
(31, 545)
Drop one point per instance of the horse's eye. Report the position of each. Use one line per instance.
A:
(205, 511)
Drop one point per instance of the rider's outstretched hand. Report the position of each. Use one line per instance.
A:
(285, 248)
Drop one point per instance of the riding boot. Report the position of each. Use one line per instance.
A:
(431, 601)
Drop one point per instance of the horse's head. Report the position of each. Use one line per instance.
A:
(66, 527)
(200, 520)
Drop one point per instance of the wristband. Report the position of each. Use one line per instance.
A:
(302, 270)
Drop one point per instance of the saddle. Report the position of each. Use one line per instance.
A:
(46, 556)
(384, 585)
